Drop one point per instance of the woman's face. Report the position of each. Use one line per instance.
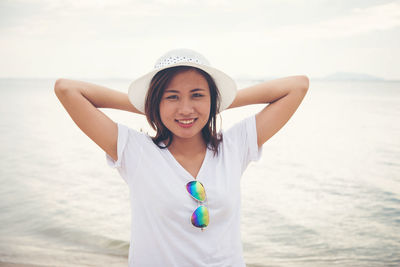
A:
(185, 105)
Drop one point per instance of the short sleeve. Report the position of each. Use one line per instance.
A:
(129, 151)
(243, 135)
(123, 132)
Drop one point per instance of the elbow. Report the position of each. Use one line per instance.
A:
(304, 83)
(59, 86)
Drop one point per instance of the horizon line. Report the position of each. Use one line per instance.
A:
(327, 79)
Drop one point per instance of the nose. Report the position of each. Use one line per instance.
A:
(186, 107)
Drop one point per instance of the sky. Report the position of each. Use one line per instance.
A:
(90, 39)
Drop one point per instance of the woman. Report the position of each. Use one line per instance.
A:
(185, 181)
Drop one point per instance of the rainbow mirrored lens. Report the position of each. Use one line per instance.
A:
(200, 217)
(196, 190)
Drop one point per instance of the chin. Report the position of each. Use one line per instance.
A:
(185, 135)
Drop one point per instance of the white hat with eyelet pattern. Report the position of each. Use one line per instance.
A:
(183, 57)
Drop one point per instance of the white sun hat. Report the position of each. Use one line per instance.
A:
(183, 57)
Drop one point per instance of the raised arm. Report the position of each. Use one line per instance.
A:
(284, 95)
(82, 100)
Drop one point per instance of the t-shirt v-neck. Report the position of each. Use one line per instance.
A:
(182, 170)
(161, 230)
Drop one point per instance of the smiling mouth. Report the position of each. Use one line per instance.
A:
(186, 123)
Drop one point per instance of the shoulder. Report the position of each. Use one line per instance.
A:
(241, 128)
(127, 134)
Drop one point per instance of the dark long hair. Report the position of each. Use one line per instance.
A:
(152, 107)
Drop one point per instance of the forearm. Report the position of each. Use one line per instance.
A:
(99, 96)
(270, 91)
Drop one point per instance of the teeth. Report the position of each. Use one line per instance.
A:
(186, 121)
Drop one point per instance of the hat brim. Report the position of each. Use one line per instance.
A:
(137, 91)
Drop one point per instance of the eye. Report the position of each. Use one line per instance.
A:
(172, 97)
(198, 95)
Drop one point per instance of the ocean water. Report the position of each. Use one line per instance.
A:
(326, 191)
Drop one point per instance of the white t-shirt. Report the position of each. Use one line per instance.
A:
(161, 230)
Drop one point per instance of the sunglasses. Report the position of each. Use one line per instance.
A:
(200, 216)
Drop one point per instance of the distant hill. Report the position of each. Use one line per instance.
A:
(350, 76)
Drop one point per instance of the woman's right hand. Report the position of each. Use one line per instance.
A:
(82, 100)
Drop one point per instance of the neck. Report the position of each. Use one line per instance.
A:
(188, 146)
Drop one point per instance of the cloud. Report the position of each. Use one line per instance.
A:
(263, 20)
(98, 18)
(122, 37)
(360, 21)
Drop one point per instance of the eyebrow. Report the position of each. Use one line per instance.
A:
(176, 91)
